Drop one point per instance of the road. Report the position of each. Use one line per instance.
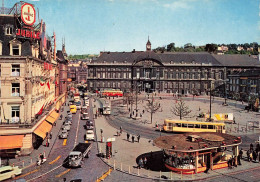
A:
(92, 167)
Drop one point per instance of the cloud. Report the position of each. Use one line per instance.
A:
(181, 4)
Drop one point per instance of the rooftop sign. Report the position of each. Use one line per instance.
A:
(28, 14)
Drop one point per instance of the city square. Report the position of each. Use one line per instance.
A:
(117, 90)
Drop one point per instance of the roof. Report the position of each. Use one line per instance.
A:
(208, 140)
(199, 58)
(237, 60)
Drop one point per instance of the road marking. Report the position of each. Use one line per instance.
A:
(61, 174)
(26, 174)
(55, 160)
(44, 173)
(104, 175)
(64, 142)
(76, 138)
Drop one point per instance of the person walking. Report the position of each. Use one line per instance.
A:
(254, 155)
(140, 163)
(145, 162)
(138, 138)
(133, 138)
(251, 147)
(121, 130)
(248, 155)
(127, 136)
(143, 111)
(50, 135)
(238, 159)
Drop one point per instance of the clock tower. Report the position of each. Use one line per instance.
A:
(148, 45)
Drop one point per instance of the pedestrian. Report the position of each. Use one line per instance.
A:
(61, 116)
(54, 124)
(133, 113)
(50, 135)
(127, 136)
(130, 115)
(141, 115)
(145, 162)
(251, 147)
(133, 138)
(238, 160)
(257, 147)
(254, 155)
(140, 163)
(138, 138)
(234, 120)
(241, 153)
(48, 141)
(248, 155)
(129, 109)
(143, 111)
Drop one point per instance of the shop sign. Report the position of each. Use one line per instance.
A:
(47, 66)
(243, 78)
(28, 33)
(28, 14)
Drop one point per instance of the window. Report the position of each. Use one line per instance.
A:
(8, 30)
(15, 70)
(15, 114)
(211, 126)
(178, 124)
(204, 126)
(197, 125)
(16, 50)
(184, 125)
(16, 89)
(190, 125)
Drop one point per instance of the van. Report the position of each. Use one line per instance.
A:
(73, 109)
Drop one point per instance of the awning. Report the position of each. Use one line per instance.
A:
(11, 142)
(52, 117)
(42, 129)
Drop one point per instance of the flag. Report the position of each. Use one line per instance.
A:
(42, 82)
(48, 84)
(40, 112)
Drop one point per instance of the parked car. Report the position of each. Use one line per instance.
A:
(64, 134)
(67, 121)
(84, 116)
(90, 135)
(84, 109)
(7, 172)
(66, 126)
(78, 104)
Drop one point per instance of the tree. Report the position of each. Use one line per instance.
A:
(211, 47)
(152, 107)
(171, 47)
(181, 110)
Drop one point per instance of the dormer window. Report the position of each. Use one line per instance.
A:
(15, 48)
(8, 30)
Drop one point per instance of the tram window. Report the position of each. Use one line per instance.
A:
(204, 126)
(178, 124)
(190, 125)
(197, 125)
(170, 124)
(211, 127)
(184, 125)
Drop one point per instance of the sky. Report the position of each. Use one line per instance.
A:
(91, 26)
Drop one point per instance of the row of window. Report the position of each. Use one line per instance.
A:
(15, 70)
(15, 114)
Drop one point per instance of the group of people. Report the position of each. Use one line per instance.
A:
(252, 153)
(142, 163)
(133, 137)
(136, 114)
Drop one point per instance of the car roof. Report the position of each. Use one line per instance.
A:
(75, 153)
(5, 168)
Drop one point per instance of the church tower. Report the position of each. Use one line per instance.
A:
(148, 45)
(63, 48)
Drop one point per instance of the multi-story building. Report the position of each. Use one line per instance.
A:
(63, 70)
(78, 71)
(27, 80)
(178, 72)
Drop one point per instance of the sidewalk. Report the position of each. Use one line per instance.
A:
(125, 155)
(30, 160)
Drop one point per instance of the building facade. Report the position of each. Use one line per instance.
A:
(28, 84)
(180, 72)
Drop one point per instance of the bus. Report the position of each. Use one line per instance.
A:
(225, 117)
(112, 93)
(179, 126)
(106, 106)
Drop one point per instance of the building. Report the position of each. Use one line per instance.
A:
(244, 83)
(78, 71)
(192, 153)
(171, 72)
(28, 71)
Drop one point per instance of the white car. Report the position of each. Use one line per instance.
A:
(66, 126)
(84, 116)
(7, 172)
(90, 135)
